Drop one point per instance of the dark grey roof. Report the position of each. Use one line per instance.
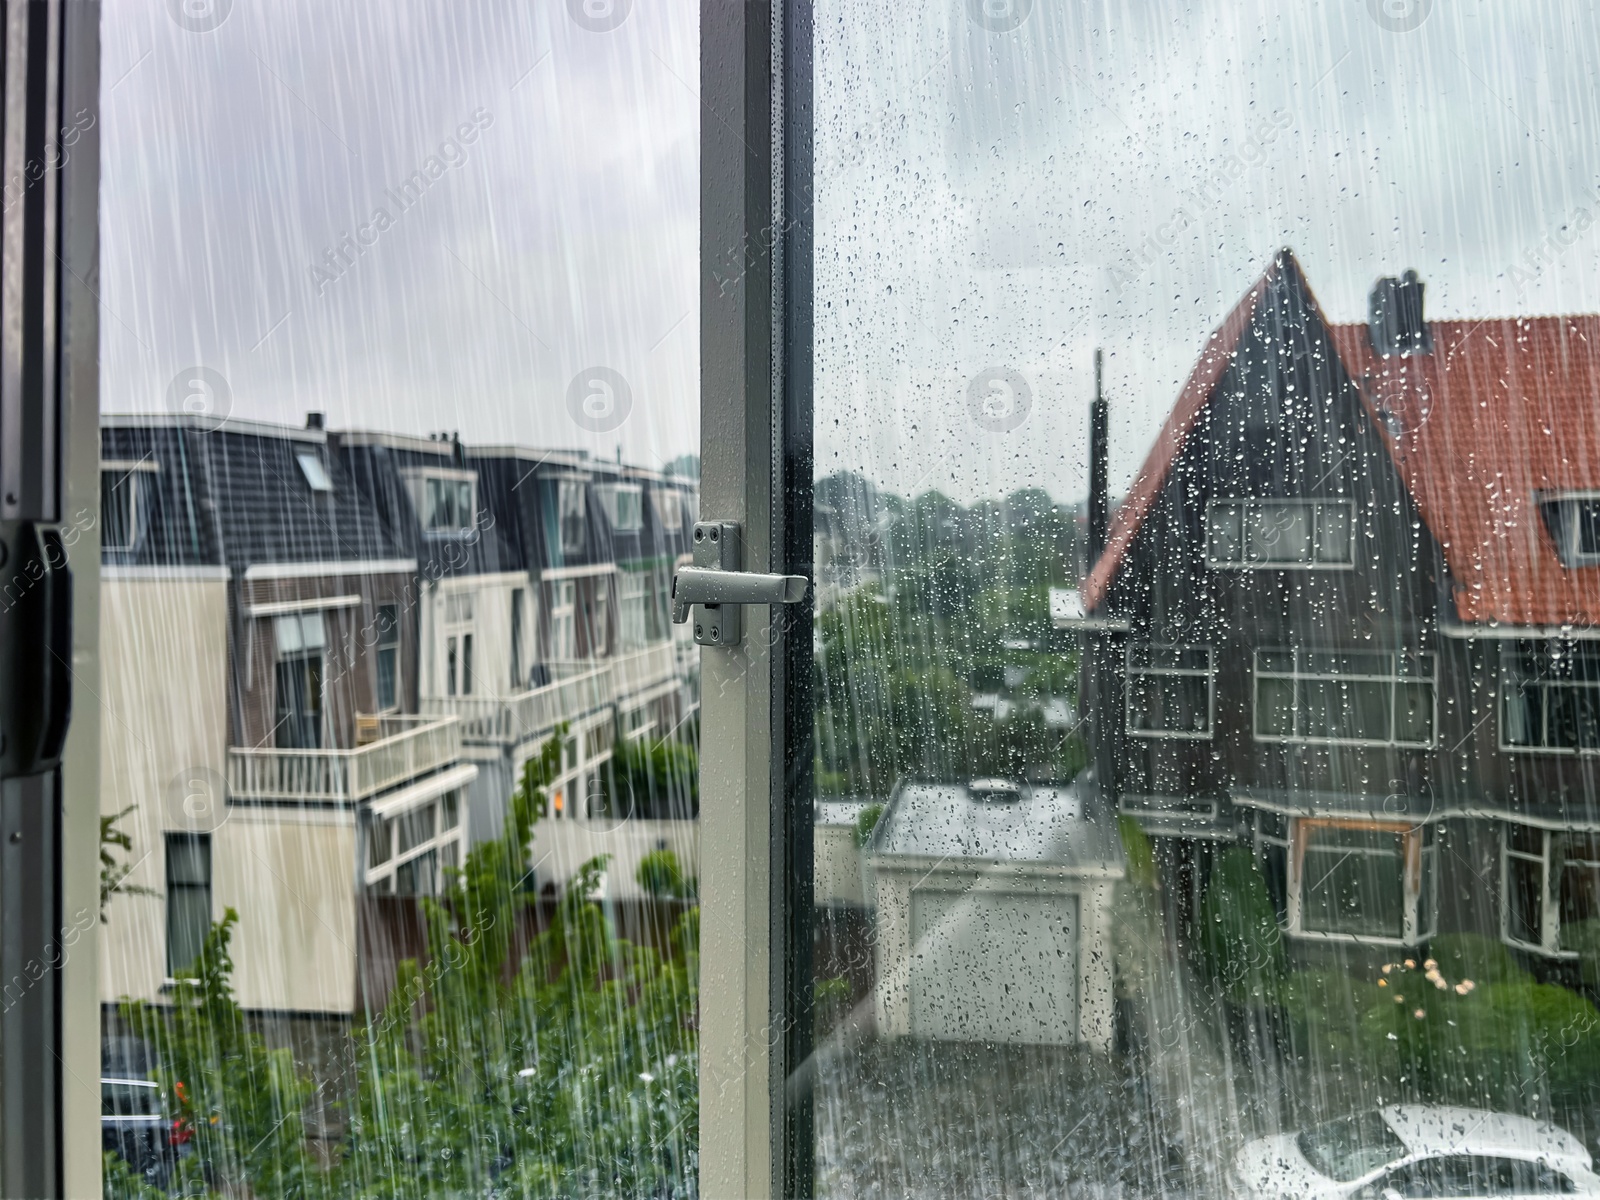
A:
(235, 494)
(953, 823)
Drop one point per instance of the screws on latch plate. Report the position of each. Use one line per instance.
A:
(699, 631)
(715, 633)
(713, 533)
(699, 535)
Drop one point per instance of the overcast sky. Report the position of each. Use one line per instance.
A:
(562, 238)
(990, 199)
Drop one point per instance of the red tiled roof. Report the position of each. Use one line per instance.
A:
(1500, 412)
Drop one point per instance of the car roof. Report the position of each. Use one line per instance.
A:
(1429, 1129)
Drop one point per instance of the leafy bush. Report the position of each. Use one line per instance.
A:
(660, 874)
(866, 822)
(1239, 937)
(1583, 938)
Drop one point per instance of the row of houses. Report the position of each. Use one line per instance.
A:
(1349, 615)
(327, 657)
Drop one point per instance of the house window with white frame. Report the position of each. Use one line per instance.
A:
(1550, 697)
(447, 501)
(1170, 691)
(1362, 880)
(387, 657)
(458, 668)
(122, 501)
(1549, 886)
(563, 621)
(1279, 534)
(1573, 520)
(301, 642)
(1358, 698)
(572, 515)
(623, 504)
(633, 609)
(409, 851)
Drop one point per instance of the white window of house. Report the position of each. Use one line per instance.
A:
(388, 657)
(1170, 691)
(1549, 887)
(449, 502)
(1370, 881)
(408, 851)
(188, 897)
(599, 618)
(314, 470)
(633, 609)
(121, 488)
(458, 666)
(563, 622)
(668, 503)
(519, 674)
(623, 504)
(572, 515)
(301, 640)
(1574, 523)
(1279, 534)
(1352, 698)
(1550, 697)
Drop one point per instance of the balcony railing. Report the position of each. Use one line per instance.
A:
(524, 715)
(406, 747)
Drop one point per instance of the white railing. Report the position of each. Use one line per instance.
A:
(513, 719)
(640, 670)
(406, 747)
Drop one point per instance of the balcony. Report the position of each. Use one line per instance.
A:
(521, 716)
(405, 747)
(578, 690)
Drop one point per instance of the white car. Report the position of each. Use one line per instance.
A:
(1417, 1150)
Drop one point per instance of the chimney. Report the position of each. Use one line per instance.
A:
(1394, 317)
(458, 451)
(315, 420)
(1098, 452)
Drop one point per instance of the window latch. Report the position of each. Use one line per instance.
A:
(716, 586)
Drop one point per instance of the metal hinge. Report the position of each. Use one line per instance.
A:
(715, 587)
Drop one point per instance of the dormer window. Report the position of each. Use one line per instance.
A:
(1574, 524)
(122, 503)
(624, 506)
(315, 470)
(447, 501)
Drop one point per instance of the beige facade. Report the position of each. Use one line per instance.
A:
(163, 744)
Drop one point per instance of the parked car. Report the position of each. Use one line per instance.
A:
(133, 1125)
(1416, 1150)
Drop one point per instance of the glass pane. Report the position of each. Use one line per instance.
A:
(397, 291)
(1310, 290)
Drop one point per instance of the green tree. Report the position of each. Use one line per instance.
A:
(575, 1074)
(1239, 937)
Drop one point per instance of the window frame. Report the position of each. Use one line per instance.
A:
(1316, 503)
(1296, 677)
(1419, 880)
(130, 473)
(201, 841)
(378, 878)
(1511, 681)
(1208, 673)
(1561, 522)
(418, 482)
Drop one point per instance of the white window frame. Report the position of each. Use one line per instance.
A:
(1208, 672)
(131, 472)
(1568, 545)
(611, 496)
(1297, 676)
(1419, 872)
(448, 844)
(417, 483)
(1512, 682)
(1248, 504)
(1549, 908)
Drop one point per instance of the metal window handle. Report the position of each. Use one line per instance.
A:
(704, 585)
(716, 587)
